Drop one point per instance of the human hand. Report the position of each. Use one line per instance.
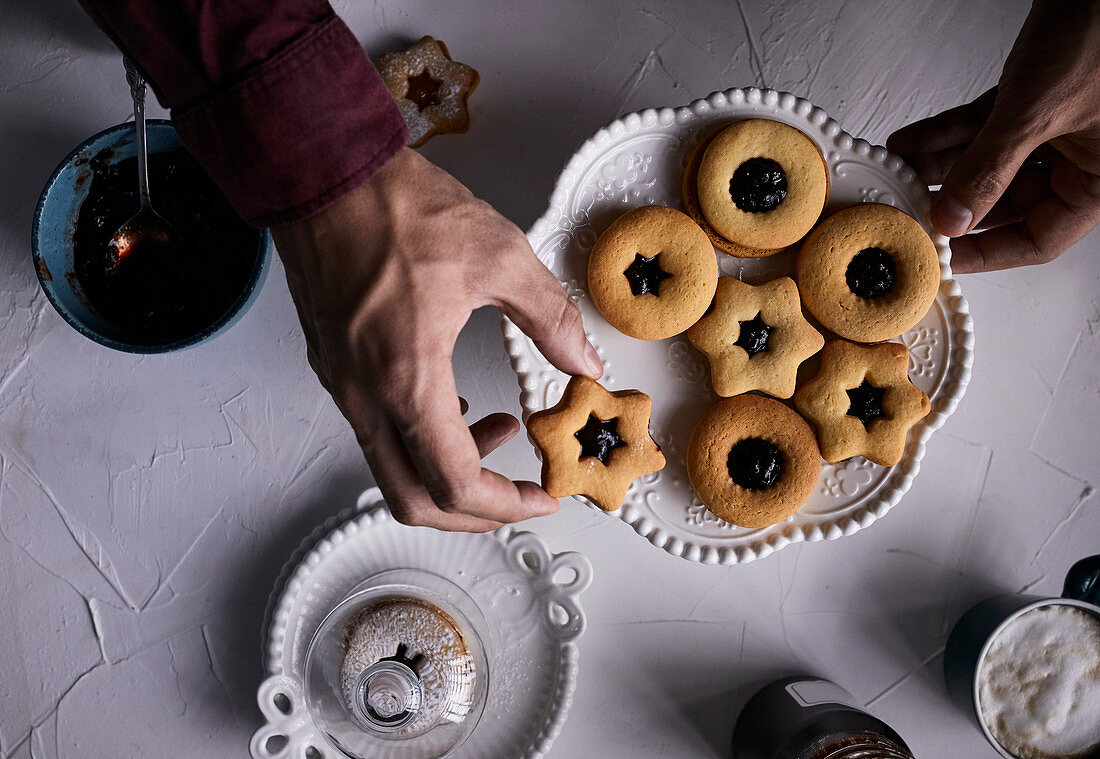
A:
(1021, 161)
(383, 281)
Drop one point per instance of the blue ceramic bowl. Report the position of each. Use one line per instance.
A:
(52, 242)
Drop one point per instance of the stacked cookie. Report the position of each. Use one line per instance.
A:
(865, 274)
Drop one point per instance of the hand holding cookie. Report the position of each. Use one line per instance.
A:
(595, 442)
(383, 281)
(1021, 161)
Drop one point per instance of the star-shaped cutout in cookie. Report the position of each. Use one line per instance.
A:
(423, 90)
(755, 337)
(645, 275)
(430, 88)
(595, 442)
(846, 391)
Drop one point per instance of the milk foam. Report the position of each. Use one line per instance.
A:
(1039, 687)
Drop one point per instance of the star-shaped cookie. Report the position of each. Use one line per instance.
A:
(755, 337)
(595, 442)
(861, 402)
(430, 89)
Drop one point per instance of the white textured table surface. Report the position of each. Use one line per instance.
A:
(147, 503)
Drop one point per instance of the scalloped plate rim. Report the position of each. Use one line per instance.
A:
(371, 510)
(957, 318)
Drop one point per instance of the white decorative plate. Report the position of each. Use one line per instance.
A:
(639, 160)
(527, 595)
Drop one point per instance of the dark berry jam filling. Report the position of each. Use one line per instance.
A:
(871, 273)
(755, 464)
(754, 335)
(599, 438)
(645, 275)
(758, 185)
(423, 90)
(866, 403)
(162, 293)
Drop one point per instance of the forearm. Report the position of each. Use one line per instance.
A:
(275, 98)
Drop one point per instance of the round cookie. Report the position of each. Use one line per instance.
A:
(689, 196)
(869, 272)
(652, 273)
(752, 460)
(761, 185)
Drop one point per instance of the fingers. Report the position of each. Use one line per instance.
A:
(417, 469)
(535, 300)
(1003, 247)
(954, 127)
(1046, 231)
(493, 431)
(406, 498)
(1031, 185)
(979, 178)
(446, 456)
(969, 150)
(1051, 219)
(933, 168)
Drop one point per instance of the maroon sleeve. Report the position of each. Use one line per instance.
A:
(275, 98)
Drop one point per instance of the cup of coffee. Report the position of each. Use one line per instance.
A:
(1027, 668)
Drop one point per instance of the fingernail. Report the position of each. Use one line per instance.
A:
(592, 358)
(951, 217)
(550, 507)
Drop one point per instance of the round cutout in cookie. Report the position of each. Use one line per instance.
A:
(652, 273)
(762, 185)
(869, 272)
(752, 460)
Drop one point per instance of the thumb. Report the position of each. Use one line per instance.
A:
(540, 306)
(981, 175)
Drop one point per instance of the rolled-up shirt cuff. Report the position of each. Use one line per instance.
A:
(295, 135)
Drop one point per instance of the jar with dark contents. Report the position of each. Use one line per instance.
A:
(162, 294)
(810, 718)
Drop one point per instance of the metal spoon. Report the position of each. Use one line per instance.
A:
(147, 233)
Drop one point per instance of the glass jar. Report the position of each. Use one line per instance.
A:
(398, 670)
(811, 718)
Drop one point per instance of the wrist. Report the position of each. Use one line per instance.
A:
(356, 224)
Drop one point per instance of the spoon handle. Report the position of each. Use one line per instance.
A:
(137, 92)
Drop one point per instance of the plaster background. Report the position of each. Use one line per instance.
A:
(148, 503)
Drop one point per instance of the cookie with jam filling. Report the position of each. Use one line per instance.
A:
(652, 273)
(752, 460)
(869, 272)
(756, 187)
(595, 442)
(431, 89)
(861, 402)
(755, 337)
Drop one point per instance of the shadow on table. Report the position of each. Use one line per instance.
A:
(921, 612)
(518, 141)
(912, 612)
(63, 19)
(512, 155)
(239, 654)
(709, 715)
(35, 144)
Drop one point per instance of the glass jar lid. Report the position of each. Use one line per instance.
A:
(397, 670)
